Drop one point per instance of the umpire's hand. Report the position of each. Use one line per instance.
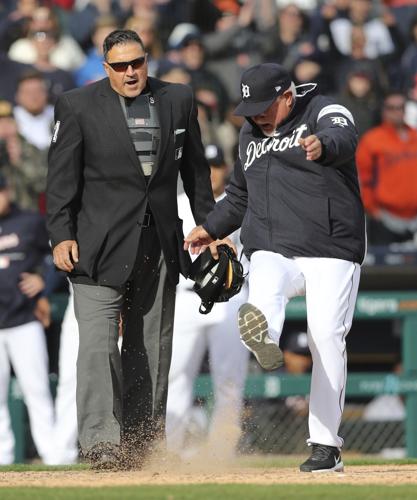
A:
(65, 253)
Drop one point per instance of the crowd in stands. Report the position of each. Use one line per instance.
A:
(357, 50)
(363, 52)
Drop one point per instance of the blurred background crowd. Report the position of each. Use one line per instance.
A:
(363, 52)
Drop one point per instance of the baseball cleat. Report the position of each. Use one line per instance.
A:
(323, 459)
(254, 334)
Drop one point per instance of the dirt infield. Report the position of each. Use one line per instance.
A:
(369, 474)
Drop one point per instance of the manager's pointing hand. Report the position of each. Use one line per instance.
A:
(312, 146)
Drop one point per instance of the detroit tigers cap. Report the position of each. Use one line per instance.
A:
(260, 85)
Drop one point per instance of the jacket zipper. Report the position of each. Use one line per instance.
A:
(267, 200)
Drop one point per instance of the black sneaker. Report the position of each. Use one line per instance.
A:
(254, 334)
(323, 459)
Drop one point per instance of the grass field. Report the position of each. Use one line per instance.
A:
(215, 492)
(388, 479)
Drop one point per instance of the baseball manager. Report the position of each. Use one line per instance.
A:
(295, 194)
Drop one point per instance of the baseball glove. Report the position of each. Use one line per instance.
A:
(216, 280)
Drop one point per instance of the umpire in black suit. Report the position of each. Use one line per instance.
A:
(114, 159)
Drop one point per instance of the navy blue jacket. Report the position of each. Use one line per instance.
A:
(290, 205)
(23, 247)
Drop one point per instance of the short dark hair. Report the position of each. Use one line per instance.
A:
(393, 92)
(118, 37)
(31, 74)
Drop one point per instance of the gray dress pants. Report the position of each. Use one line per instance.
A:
(121, 398)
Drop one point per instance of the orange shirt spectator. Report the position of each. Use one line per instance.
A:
(387, 165)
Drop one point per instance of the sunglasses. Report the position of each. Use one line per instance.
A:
(121, 67)
(41, 35)
(394, 107)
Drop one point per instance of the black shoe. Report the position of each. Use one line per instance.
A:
(323, 459)
(104, 456)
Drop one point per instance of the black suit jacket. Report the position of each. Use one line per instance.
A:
(96, 191)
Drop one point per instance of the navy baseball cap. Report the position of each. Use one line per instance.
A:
(214, 155)
(296, 342)
(260, 86)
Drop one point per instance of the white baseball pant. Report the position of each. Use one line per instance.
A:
(66, 432)
(330, 287)
(25, 348)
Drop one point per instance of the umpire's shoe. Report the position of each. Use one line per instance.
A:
(254, 334)
(323, 459)
(104, 456)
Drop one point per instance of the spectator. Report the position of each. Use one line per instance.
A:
(93, 69)
(310, 68)
(357, 60)
(57, 80)
(82, 22)
(166, 14)
(211, 117)
(288, 39)
(191, 54)
(409, 58)
(234, 45)
(387, 165)
(11, 71)
(145, 27)
(171, 72)
(34, 116)
(380, 34)
(404, 12)
(65, 54)
(320, 18)
(24, 165)
(360, 96)
(23, 246)
(14, 24)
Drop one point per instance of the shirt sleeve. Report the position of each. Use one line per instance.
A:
(335, 127)
(228, 214)
(194, 169)
(65, 165)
